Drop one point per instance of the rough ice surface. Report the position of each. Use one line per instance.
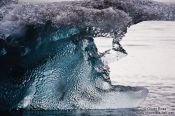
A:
(49, 60)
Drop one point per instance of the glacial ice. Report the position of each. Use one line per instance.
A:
(49, 60)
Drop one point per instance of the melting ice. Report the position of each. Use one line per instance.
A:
(49, 60)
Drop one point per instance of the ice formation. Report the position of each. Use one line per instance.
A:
(49, 60)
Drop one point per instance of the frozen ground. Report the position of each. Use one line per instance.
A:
(150, 62)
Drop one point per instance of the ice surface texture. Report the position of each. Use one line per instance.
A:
(49, 60)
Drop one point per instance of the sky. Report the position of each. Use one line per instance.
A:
(165, 0)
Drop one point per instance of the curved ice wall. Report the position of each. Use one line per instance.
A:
(49, 60)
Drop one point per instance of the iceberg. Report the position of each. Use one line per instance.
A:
(48, 58)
